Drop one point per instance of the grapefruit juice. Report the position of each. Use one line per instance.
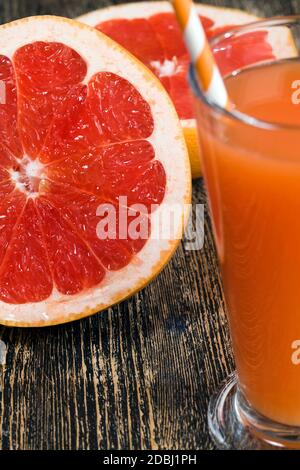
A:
(251, 166)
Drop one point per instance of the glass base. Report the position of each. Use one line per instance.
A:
(233, 424)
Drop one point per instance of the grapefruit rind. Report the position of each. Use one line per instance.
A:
(103, 54)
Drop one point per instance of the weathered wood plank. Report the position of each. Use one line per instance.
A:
(139, 375)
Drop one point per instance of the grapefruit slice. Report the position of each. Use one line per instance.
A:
(85, 129)
(149, 31)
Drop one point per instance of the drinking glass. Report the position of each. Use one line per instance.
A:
(252, 175)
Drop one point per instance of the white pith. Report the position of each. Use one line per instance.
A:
(102, 54)
(31, 171)
(34, 168)
(167, 68)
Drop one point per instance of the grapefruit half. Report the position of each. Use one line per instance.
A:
(149, 31)
(85, 130)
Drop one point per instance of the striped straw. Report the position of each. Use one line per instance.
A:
(200, 52)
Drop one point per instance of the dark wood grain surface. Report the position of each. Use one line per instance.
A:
(139, 375)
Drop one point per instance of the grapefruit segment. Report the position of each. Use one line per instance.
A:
(146, 187)
(9, 136)
(46, 74)
(120, 109)
(85, 135)
(6, 187)
(11, 207)
(73, 265)
(4, 174)
(73, 131)
(7, 159)
(24, 273)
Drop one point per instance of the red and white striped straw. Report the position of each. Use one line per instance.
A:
(200, 52)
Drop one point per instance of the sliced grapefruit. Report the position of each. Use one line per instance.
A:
(149, 31)
(83, 124)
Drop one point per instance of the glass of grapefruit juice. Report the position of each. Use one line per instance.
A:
(251, 164)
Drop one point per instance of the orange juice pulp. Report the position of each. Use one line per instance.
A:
(253, 180)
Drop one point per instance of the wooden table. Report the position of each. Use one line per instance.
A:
(139, 375)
